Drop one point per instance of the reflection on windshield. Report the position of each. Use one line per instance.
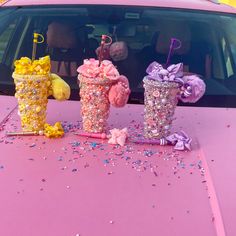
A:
(143, 35)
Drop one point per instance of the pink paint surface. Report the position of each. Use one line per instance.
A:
(42, 195)
(184, 4)
(7, 104)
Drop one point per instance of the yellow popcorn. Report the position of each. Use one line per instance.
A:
(25, 66)
(55, 131)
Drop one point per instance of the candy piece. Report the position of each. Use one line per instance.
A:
(38, 109)
(60, 89)
(55, 131)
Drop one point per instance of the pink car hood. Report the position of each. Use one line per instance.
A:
(182, 4)
(79, 186)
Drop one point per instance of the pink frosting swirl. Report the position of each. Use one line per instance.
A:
(91, 69)
(108, 70)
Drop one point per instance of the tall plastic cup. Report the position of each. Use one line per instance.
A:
(160, 100)
(32, 94)
(95, 105)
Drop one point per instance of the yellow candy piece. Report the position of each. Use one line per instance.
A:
(55, 131)
(60, 89)
(38, 109)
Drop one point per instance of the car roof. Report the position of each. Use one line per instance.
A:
(205, 5)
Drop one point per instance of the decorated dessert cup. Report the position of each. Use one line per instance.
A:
(32, 94)
(34, 82)
(95, 103)
(33, 85)
(160, 100)
(101, 85)
(163, 87)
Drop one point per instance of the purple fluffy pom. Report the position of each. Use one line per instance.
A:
(194, 88)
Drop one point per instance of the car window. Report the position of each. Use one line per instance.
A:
(73, 33)
(5, 37)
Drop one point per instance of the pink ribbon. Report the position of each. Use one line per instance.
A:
(118, 136)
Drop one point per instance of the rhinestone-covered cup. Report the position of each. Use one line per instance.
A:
(95, 105)
(160, 100)
(32, 94)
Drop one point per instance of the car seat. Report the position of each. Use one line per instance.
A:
(194, 55)
(202, 45)
(90, 48)
(173, 29)
(64, 49)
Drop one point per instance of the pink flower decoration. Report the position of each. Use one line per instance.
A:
(118, 136)
(119, 92)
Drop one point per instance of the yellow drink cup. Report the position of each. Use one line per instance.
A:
(32, 94)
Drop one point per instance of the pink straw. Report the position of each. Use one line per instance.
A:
(93, 135)
(103, 43)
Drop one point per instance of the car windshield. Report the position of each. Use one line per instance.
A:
(73, 33)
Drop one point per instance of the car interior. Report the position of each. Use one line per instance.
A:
(73, 34)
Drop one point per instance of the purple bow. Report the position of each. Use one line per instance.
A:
(180, 140)
(173, 73)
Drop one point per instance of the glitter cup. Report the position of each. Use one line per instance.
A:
(160, 99)
(32, 95)
(95, 105)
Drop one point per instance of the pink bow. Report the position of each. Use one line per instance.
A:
(118, 136)
(180, 140)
